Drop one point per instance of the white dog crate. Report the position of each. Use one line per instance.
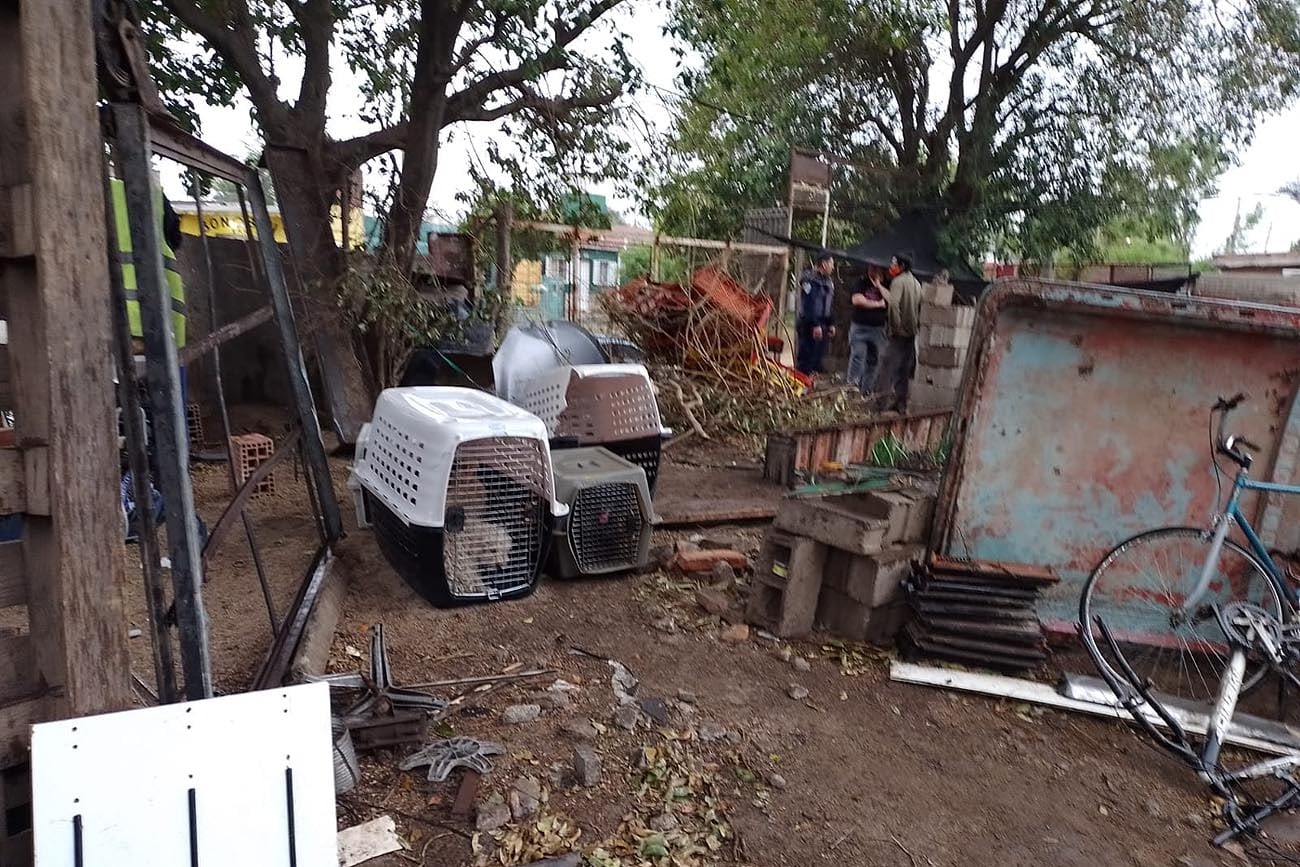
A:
(457, 485)
(610, 514)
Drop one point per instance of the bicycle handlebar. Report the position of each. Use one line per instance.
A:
(1228, 404)
(1228, 446)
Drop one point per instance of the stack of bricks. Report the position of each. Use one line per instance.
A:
(248, 451)
(941, 347)
(839, 562)
(194, 425)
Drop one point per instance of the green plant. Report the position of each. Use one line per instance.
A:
(889, 452)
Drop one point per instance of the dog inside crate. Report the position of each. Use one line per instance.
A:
(496, 508)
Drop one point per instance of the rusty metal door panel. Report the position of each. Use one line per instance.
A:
(1084, 419)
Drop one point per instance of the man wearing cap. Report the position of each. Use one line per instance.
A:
(815, 326)
(895, 378)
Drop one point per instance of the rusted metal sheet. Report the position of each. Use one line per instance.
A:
(807, 451)
(1083, 420)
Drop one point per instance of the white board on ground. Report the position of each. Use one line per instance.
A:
(369, 840)
(1271, 741)
(128, 776)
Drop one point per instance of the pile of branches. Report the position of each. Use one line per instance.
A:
(705, 343)
(711, 326)
(693, 401)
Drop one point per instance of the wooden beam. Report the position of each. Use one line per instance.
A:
(17, 672)
(229, 331)
(16, 720)
(62, 381)
(13, 487)
(16, 237)
(13, 575)
(645, 237)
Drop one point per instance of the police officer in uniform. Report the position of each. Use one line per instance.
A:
(815, 325)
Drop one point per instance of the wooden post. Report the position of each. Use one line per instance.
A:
(505, 219)
(654, 259)
(579, 293)
(76, 661)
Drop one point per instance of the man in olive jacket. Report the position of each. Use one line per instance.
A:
(899, 363)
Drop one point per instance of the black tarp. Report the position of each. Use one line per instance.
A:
(915, 232)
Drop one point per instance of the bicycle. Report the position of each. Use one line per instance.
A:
(1224, 616)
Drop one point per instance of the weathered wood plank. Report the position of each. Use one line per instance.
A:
(13, 485)
(13, 575)
(63, 389)
(17, 670)
(17, 851)
(16, 236)
(6, 387)
(16, 720)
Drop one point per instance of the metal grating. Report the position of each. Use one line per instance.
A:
(605, 527)
(644, 453)
(544, 398)
(497, 498)
(397, 459)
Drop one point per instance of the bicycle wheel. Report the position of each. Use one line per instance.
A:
(1138, 591)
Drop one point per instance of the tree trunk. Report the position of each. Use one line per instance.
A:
(419, 165)
(305, 190)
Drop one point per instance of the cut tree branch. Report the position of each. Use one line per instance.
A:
(236, 47)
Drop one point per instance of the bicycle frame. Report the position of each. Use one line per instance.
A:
(1224, 521)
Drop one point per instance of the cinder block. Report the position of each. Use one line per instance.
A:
(841, 615)
(874, 580)
(919, 518)
(942, 356)
(943, 377)
(935, 314)
(944, 335)
(886, 622)
(922, 396)
(937, 293)
(891, 507)
(836, 521)
(788, 579)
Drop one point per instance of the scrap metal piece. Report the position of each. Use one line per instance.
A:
(443, 756)
(388, 731)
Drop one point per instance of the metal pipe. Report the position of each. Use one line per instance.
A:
(155, 593)
(225, 417)
(285, 644)
(171, 448)
(313, 447)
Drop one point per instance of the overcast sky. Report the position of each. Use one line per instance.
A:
(1270, 161)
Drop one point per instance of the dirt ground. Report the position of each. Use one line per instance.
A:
(860, 772)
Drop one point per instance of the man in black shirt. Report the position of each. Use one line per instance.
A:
(867, 330)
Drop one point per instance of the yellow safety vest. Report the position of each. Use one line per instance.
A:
(174, 282)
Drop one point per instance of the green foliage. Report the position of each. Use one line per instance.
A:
(889, 452)
(1052, 118)
(550, 71)
(635, 262)
(1238, 239)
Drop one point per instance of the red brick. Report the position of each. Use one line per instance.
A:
(704, 561)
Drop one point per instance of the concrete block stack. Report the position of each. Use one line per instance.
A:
(941, 347)
(839, 563)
